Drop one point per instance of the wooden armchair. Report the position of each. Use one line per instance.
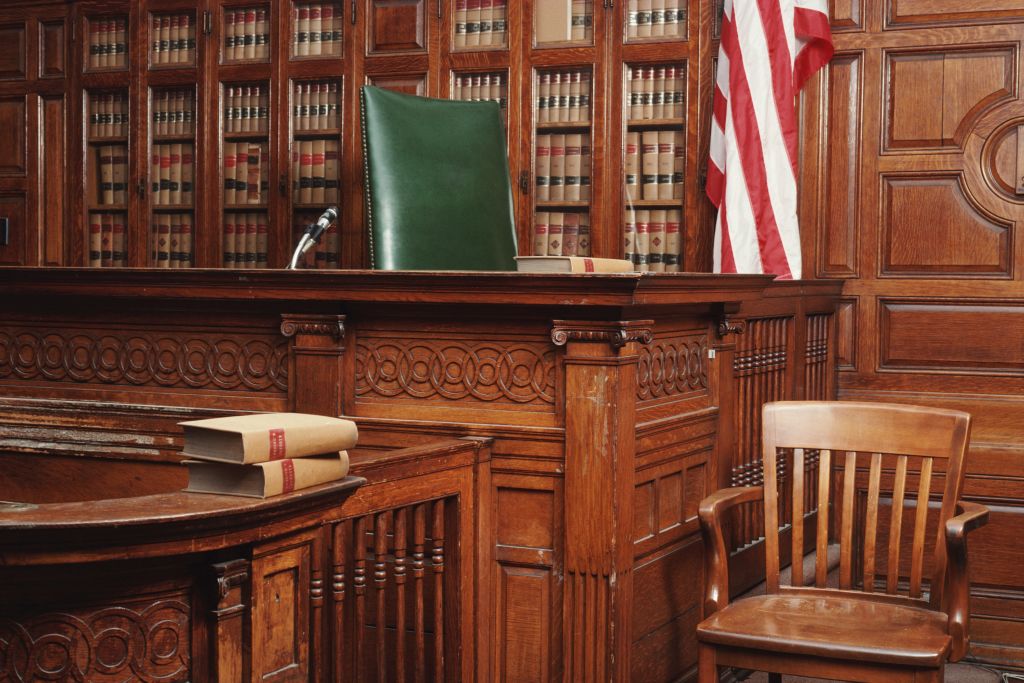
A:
(881, 623)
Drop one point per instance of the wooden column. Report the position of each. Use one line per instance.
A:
(600, 405)
(315, 368)
(227, 621)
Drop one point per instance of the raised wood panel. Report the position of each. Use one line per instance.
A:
(53, 142)
(14, 121)
(967, 337)
(410, 84)
(909, 12)
(930, 227)
(281, 615)
(524, 634)
(1006, 161)
(52, 49)
(14, 207)
(846, 14)
(525, 518)
(13, 55)
(846, 342)
(398, 26)
(841, 225)
(931, 95)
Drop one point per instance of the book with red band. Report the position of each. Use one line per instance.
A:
(255, 438)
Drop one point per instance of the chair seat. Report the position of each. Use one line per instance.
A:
(831, 626)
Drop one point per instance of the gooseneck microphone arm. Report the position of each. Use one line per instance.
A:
(311, 237)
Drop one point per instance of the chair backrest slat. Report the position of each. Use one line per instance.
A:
(892, 573)
(821, 550)
(846, 533)
(899, 442)
(871, 523)
(797, 571)
(920, 521)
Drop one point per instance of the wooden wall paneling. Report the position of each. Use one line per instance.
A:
(14, 60)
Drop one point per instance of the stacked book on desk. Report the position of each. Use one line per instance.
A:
(266, 454)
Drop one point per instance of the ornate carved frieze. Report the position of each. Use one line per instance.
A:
(242, 362)
(674, 366)
(328, 326)
(616, 333)
(117, 643)
(518, 372)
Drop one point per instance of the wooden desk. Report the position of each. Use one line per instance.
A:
(615, 403)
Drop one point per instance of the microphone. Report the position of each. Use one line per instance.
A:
(313, 233)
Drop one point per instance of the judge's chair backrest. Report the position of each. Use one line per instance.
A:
(438, 195)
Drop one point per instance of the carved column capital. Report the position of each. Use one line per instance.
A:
(727, 326)
(616, 333)
(320, 325)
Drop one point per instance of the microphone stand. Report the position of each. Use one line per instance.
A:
(305, 244)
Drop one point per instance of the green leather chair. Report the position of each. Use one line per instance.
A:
(438, 195)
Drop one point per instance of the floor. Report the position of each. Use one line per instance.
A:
(955, 673)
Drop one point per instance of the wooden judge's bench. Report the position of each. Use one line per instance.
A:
(566, 539)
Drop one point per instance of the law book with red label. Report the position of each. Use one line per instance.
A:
(572, 264)
(260, 437)
(266, 479)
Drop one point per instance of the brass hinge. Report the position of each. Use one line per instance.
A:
(207, 23)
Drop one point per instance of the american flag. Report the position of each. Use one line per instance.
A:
(769, 49)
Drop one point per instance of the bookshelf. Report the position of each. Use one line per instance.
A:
(273, 83)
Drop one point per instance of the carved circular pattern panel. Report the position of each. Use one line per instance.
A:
(113, 644)
(672, 367)
(229, 364)
(456, 371)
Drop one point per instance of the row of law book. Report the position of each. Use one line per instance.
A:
(246, 173)
(563, 167)
(481, 87)
(113, 175)
(108, 115)
(652, 239)
(172, 169)
(563, 97)
(654, 164)
(268, 454)
(173, 113)
(561, 234)
(315, 171)
(246, 34)
(316, 106)
(107, 244)
(325, 253)
(108, 43)
(655, 18)
(245, 239)
(170, 237)
(559, 21)
(174, 39)
(656, 92)
(481, 23)
(317, 30)
(246, 109)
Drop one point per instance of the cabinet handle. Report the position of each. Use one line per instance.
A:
(439, 9)
(140, 188)
(207, 23)
(524, 182)
(282, 185)
(352, 6)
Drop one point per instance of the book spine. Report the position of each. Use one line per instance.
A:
(657, 18)
(175, 240)
(95, 240)
(94, 44)
(557, 175)
(540, 233)
(319, 185)
(187, 173)
(241, 173)
(543, 97)
(647, 95)
(262, 230)
(315, 30)
(666, 162)
(679, 160)
(577, 31)
(673, 218)
(656, 241)
(678, 93)
(564, 86)
(333, 105)
(302, 31)
(327, 44)
(588, 20)
(629, 236)
(107, 240)
(643, 19)
(543, 171)
(228, 256)
(555, 219)
(643, 243)
(472, 23)
(460, 23)
(165, 175)
(632, 10)
(154, 175)
(188, 40)
(186, 241)
(106, 174)
(249, 34)
(658, 94)
(252, 176)
(120, 43)
(499, 23)
(262, 37)
(486, 22)
(570, 233)
(230, 161)
(331, 249)
(583, 247)
(306, 172)
(174, 55)
(636, 90)
(585, 169)
(332, 183)
(575, 92)
(573, 160)
(175, 174)
(649, 163)
(251, 239)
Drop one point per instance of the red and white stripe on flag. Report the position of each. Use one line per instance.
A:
(769, 50)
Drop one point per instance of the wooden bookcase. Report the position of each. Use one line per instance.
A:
(282, 99)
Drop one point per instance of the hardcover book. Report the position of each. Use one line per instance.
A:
(572, 264)
(254, 438)
(265, 479)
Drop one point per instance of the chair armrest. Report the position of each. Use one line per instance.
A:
(970, 516)
(716, 556)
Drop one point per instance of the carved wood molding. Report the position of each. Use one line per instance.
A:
(617, 333)
(319, 325)
(673, 367)
(727, 326)
(118, 642)
(200, 360)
